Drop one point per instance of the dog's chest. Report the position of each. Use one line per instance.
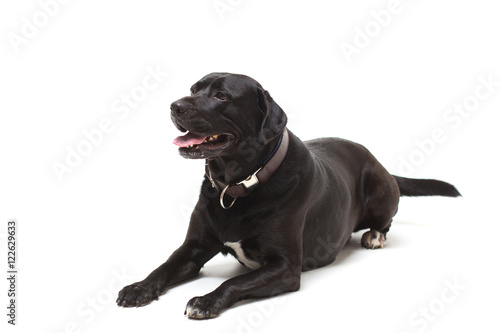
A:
(241, 256)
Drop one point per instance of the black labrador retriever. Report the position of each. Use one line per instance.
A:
(279, 205)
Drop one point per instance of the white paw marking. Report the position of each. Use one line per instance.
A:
(373, 239)
(189, 311)
(236, 246)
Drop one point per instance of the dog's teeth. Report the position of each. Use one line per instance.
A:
(211, 138)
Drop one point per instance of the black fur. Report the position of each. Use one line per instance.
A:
(425, 187)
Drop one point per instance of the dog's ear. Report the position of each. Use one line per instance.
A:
(274, 120)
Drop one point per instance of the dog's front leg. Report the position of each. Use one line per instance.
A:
(271, 279)
(183, 264)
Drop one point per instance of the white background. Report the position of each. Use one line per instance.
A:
(125, 207)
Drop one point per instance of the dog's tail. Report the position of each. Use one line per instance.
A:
(425, 187)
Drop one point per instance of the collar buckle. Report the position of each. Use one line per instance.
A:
(251, 180)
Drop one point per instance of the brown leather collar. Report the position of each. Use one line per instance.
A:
(259, 177)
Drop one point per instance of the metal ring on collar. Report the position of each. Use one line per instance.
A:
(222, 198)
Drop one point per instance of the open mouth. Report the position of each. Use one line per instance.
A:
(197, 146)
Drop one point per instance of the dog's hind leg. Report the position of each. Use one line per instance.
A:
(382, 197)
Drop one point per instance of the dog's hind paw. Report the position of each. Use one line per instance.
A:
(373, 240)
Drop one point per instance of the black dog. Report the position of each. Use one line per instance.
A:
(279, 205)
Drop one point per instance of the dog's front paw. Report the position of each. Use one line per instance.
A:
(202, 308)
(138, 294)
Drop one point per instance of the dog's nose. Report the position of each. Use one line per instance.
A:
(178, 107)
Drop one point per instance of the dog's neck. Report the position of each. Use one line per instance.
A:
(249, 158)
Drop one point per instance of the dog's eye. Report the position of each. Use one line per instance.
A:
(220, 95)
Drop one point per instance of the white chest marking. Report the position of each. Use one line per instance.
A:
(236, 246)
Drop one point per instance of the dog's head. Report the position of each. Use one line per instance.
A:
(223, 111)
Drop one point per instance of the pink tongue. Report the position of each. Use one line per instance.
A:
(188, 139)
